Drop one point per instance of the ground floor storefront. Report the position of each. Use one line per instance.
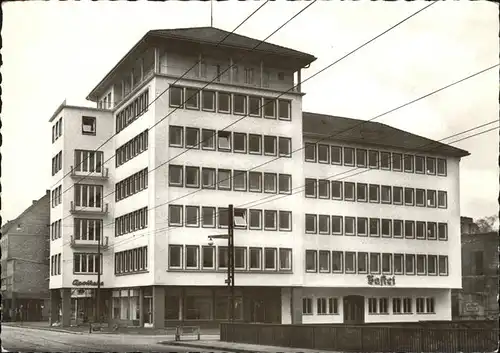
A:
(16, 309)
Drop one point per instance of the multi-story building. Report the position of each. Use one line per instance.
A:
(25, 265)
(378, 243)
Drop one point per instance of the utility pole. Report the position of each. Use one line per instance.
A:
(98, 294)
(230, 267)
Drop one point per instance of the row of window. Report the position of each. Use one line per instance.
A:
(375, 227)
(132, 148)
(87, 263)
(424, 305)
(131, 185)
(362, 158)
(89, 161)
(87, 195)
(350, 262)
(189, 257)
(362, 192)
(88, 229)
(56, 196)
(132, 111)
(57, 130)
(131, 222)
(56, 163)
(131, 261)
(252, 219)
(226, 179)
(56, 230)
(324, 306)
(227, 141)
(55, 265)
(225, 102)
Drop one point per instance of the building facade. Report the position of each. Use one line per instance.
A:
(25, 265)
(201, 125)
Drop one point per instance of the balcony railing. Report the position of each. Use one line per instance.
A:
(80, 243)
(102, 175)
(101, 211)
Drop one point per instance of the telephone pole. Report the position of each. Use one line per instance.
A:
(230, 267)
(98, 293)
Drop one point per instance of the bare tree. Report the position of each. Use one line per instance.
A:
(487, 224)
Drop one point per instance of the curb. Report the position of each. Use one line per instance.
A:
(44, 329)
(206, 347)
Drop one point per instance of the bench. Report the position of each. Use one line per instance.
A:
(187, 330)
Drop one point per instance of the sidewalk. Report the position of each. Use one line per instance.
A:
(217, 345)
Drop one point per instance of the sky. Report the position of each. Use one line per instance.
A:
(60, 50)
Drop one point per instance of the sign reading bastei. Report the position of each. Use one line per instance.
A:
(381, 280)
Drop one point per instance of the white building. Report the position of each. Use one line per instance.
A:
(300, 257)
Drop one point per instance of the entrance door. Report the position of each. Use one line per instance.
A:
(148, 311)
(354, 309)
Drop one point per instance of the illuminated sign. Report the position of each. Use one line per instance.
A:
(78, 283)
(381, 280)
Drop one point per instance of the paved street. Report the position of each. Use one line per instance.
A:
(15, 339)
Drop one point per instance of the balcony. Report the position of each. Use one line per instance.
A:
(88, 244)
(86, 210)
(102, 175)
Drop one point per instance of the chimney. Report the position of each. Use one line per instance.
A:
(34, 201)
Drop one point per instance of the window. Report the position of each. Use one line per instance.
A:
(208, 257)
(249, 79)
(310, 152)
(323, 153)
(306, 306)
(285, 259)
(240, 258)
(175, 256)
(175, 136)
(208, 101)
(255, 258)
(222, 257)
(192, 177)
(240, 104)
(284, 109)
(208, 217)
(88, 125)
(362, 262)
(397, 162)
(311, 261)
(374, 227)
(239, 180)
(240, 142)
(385, 194)
(420, 230)
(374, 191)
(442, 199)
(85, 229)
(255, 144)
(409, 196)
(337, 261)
(87, 195)
(431, 165)
(432, 265)
(327, 306)
(350, 225)
(443, 265)
(336, 190)
(387, 263)
(431, 198)
(396, 305)
(310, 187)
(397, 229)
(175, 96)
(386, 228)
(324, 189)
(285, 184)
(324, 261)
(254, 104)
(420, 164)
(223, 217)
(398, 264)
(349, 191)
(385, 160)
(285, 146)
(350, 262)
(420, 305)
(57, 163)
(192, 257)
(410, 229)
(311, 220)
(397, 195)
(408, 163)
(270, 220)
(224, 141)
(256, 219)
(224, 179)
(409, 264)
(441, 167)
(429, 302)
(420, 197)
(192, 216)
(431, 230)
(407, 305)
(337, 226)
(270, 145)
(207, 139)
(175, 215)
(224, 100)
(374, 263)
(269, 259)
(372, 305)
(269, 108)
(373, 159)
(336, 155)
(324, 224)
(85, 161)
(442, 231)
(192, 138)
(362, 192)
(84, 263)
(255, 181)
(421, 264)
(361, 157)
(175, 175)
(192, 98)
(285, 220)
(208, 178)
(362, 225)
